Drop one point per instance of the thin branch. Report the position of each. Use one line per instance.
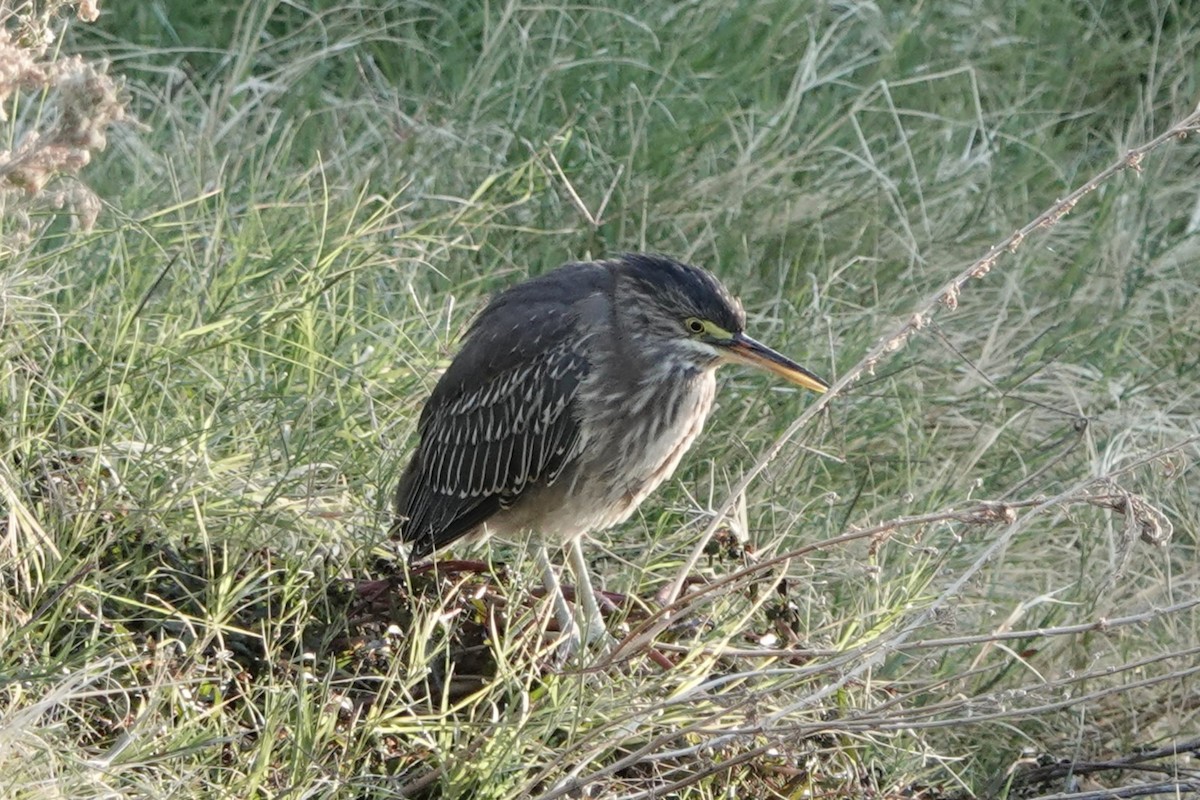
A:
(1170, 789)
(982, 513)
(1034, 775)
(1101, 625)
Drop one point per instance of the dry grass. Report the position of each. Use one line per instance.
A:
(969, 573)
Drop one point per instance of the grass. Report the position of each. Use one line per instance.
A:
(207, 400)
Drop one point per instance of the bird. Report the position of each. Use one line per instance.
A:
(573, 396)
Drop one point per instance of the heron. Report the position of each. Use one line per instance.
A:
(572, 397)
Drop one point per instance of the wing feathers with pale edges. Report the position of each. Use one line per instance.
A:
(502, 418)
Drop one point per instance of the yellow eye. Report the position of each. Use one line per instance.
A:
(695, 326)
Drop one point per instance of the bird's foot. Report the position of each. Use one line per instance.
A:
(569, 648)
(580, 642)
(603, 646)
(595, 631)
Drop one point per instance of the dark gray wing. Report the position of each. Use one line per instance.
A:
(503, 417)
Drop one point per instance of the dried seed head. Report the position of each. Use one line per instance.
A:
(88, 10)
(950, 297)
(985, 266)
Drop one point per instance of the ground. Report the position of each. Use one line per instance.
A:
(971, 572)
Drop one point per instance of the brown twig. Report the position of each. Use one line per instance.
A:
(982, 513)
(1138, 761)
(1169, 789)
(1101, 625)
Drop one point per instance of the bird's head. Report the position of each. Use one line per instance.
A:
(684, 312)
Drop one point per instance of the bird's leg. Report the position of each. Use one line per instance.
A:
(562, 610)
(593, 621)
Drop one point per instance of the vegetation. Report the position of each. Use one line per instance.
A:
(972, 573)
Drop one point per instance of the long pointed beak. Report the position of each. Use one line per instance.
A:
(744, 350)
